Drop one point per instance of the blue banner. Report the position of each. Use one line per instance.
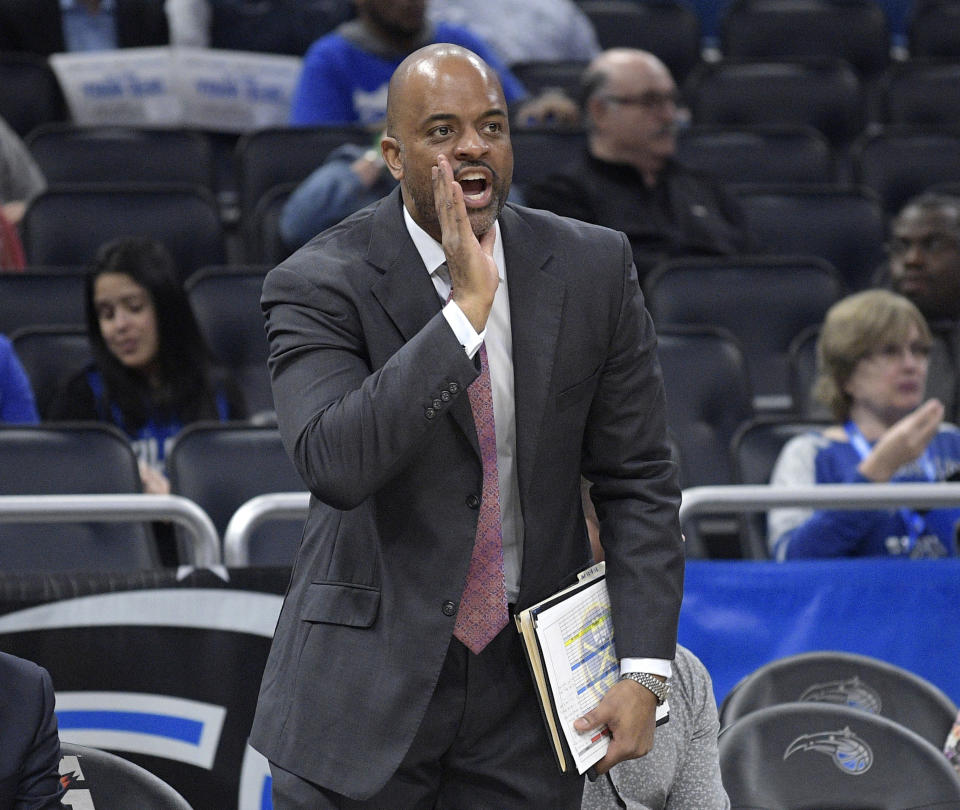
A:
(739, 615)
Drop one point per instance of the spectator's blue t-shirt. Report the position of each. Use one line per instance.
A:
(16, 396)
(344, 82)
(816, 458)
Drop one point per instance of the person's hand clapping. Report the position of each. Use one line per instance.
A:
(903, 442)
(473, 271)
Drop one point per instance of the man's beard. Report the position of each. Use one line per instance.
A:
(481, 219)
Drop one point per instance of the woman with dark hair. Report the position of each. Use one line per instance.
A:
(152, 372)
(872, 357)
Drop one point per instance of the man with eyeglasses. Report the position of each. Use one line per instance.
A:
(924, 266)
(629, 178)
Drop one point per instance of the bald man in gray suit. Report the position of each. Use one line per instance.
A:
(369, 698)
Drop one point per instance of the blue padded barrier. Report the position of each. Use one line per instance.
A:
(738, 615)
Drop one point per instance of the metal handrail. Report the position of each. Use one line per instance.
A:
(695, 500)
(274, 506)
(204, 540)
(760, 497)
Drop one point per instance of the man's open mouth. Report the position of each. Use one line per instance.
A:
(476, 187)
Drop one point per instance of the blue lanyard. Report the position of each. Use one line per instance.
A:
(912, 519)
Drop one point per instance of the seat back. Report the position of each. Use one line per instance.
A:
(220, 466)
(846, 679)
(951, 187)
(41, 296)
(799, 756)
(50, 355)
(769, 30)
(275, 26)
(30, 93)
(758, 154)
(922, 92)
(65, 225)
(268, 157)
(754, 449)
(934, 30)
(802, 363)
(71, 459)
(107, 780)
(67, 153)
(266, 241)
(538, 151)
(845, 226)
(763, 302)
(539, 75)
(226, 303)
(708, 395)
(666, 28)
(825, 94)
(900, 161)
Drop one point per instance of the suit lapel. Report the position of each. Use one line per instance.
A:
(536, 303)
(405, 290)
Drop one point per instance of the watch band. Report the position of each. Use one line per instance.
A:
(660, 689)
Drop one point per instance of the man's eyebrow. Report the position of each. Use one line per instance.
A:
(443, 116)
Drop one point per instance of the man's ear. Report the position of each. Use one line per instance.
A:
(391, 156)
(595, 109)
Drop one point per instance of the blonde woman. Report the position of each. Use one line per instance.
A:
(873, 358)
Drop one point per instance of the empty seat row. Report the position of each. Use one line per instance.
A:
(222, 466)
(219, 466)
(858, 31)
(832, 728)
(83, 208)
(765, 301)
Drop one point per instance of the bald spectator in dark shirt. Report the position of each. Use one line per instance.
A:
(629, 179)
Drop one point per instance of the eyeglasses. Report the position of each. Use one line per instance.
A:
(651, 100)
(891, 352)
(931, 244)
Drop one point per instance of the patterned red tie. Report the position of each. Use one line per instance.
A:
(483, 607)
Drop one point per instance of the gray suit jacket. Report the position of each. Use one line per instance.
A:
(29, 745)
(369, 383)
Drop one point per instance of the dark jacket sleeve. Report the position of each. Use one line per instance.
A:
(30, 737)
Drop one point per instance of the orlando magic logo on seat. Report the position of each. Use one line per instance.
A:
(850, 692)
(849, 753)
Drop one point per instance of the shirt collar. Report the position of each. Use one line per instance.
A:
(431, 251)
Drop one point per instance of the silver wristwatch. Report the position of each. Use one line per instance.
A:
(659, 688)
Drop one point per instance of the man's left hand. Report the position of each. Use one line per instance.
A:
(629, 711)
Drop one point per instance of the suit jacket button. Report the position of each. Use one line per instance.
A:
(429, 413)
(445, 396)
(437, 404)
(473, 501)
(453, 387)
(448, 608)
